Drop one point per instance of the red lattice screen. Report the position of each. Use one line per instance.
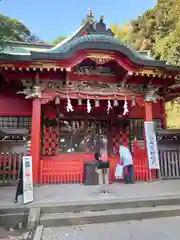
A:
(50, 141)
(120, 134)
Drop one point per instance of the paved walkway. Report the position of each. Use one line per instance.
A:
(54, 194)
(151, 229)
(15, 234)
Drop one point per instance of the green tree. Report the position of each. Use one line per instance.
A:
(158, 30)
(58, 40)
(123, 33)
(13, 30)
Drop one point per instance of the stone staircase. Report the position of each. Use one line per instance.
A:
(13, 217)
(103, 210)
(108, 211)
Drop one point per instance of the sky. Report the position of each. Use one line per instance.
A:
(49, 19)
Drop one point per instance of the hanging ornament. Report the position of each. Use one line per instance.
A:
(115, 103)
(80, 102)
(88, 106)
(69, 107)
(109, 107)
(57, 100)
(97, 103)
(125, 107)
(74, 126)
(133, 103)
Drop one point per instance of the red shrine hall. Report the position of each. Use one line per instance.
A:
(65, 95)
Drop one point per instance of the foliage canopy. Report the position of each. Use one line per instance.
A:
(157, 30)
(58, 40)
(14, 30)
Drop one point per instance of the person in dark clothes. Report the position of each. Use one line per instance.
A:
(101, 157)
(19, 190)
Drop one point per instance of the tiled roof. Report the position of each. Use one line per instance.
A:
(102, 42)
(88, 39)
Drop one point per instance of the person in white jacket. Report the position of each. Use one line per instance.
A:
(126, 158)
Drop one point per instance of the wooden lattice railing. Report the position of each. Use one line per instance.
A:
(140, 160)
(9, 167)
(68, 171)
(72, 171)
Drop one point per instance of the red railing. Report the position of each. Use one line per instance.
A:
(140, 161)
(72, 171)
(68, 171)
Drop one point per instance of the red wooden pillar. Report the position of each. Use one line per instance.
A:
(148, 112)
(36, 139)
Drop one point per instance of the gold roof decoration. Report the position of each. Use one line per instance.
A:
(100, 58)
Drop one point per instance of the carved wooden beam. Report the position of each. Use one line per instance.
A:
(156, 73)
(100, 58)
(125, 79)
(104, 95)
(46, 99)
(151, 96)
(40, 66)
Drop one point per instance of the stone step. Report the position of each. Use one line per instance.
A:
(11, 216)
(13, 210)
(109, 204)
(115, 215)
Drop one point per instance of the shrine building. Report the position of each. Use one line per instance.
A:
(88, 85)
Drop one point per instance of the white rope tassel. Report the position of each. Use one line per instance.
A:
(69, 106)
(133, 103)
(109, 107)
(125, 107)
(88, 106)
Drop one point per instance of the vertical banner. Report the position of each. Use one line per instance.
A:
(27, 180)
(151, 143)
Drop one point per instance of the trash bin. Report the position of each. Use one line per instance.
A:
(90, 175)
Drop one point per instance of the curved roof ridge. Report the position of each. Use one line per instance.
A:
(92, 37)
(16, 50)
(28, 44)
(70, 38)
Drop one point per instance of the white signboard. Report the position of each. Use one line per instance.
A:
(151, 143)
(27, 179)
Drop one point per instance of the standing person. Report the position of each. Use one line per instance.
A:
(126, 158)
(101, 156)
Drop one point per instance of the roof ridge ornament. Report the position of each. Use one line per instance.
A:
(97, 27)
(90, 18)
(90, 13)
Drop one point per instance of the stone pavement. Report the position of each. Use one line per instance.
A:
(61, 193)
(151, 229)
(12, 234)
